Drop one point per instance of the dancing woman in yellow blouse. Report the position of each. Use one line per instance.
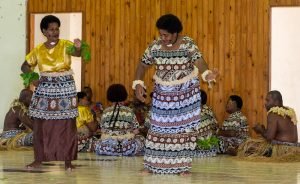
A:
(53, 105)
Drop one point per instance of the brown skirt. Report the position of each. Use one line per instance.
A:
(55, 140)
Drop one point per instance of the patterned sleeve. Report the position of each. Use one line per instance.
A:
(68, 43)
(147, 119)
(193, 51)
(244, 122)
(135, 123)
(31, 58)
(104, 117)
(147, 57)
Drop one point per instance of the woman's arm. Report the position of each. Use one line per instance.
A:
(92, 126)
(206, 74)
(77, 44)
(25, 68)
(201, 65)
(139, 75)
(25, 119)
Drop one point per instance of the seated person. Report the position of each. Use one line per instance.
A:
(141, 111)
(17, 131)
(234, 130)
(280, 138)
(85, 123)
(119, 127)
(96, 107)
(206, 142)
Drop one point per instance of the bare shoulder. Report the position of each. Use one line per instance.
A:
(13, 111)
(273, 115)
(19, 112)
(273, 118)
(281, 121)
(16, 109)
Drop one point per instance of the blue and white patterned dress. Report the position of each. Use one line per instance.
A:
(175, 114)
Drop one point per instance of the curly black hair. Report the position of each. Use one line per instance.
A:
(203, 97)
(170, 23)
(116, 93)
(276, 95)
(47, 20)
(81, 95)
(238, 100)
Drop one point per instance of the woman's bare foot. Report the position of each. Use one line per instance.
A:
(185, 173)
(145, 172)
(69, 166)
(34, 164)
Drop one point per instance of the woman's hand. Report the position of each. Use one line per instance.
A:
(36, 83)
(140, 93)
(136, 131)
(259, 129)
(77, 43)
(213, 75)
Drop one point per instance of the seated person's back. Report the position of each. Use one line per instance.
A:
(119, 126)
(17, 114)
(285, 125)
(17, 131)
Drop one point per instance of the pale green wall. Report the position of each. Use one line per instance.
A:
(12, 51)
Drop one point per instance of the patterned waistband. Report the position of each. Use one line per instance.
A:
(56, 74)
(174, 67)
(125, 136)
(10, 133)
(274, 142)
(191, 76)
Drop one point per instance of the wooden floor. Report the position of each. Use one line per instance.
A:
(122, 170)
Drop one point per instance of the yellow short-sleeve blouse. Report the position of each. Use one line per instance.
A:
(84, 116)
(51, 60)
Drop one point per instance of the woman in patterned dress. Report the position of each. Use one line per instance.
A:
(175, 114)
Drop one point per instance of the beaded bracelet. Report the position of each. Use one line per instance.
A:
(136, 82)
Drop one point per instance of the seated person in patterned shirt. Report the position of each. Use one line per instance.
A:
(207, 130)
(17, 124)
(86, 126)
(207, 114)
(234, 130)
(280, 138)
(119, 127)
(141, 111)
